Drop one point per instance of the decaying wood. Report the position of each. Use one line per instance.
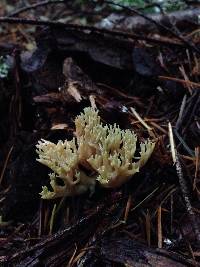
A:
(122, 250)
(49, 250)
(107, 48)
(180, 19)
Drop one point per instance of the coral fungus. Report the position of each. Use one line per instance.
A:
(105, 150)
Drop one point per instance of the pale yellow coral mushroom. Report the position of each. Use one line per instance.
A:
(89, 131)
(62, 158)
(115, 163)
(107, 150)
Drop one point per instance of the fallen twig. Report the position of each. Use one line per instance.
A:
(184, 82)
(96, 30)
(34, 6)
(183, 185)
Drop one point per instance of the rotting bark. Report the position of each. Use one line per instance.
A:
(137, 24)
(126, 250)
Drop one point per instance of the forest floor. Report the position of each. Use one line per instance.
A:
(142, 73)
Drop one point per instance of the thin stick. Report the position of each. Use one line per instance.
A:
(5, 164)
(184, 82)
(70, 26)
(171, 140)
(147, 197)
(183, 185)
(128, 206)
(51, 224)
(171, 212)
(160, 227)
(140, 119)
(148, 228)
(180, 115)
(158, 127)
(187, 148)
(72, 257)
(197, 164)
(34, 6)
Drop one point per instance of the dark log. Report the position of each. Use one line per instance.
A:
(180, 19)
(118, 250)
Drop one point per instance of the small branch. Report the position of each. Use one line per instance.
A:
(186, 198)
(70, 26)
(149, 129)
(32, 22)
(183, 184)
(34, 6)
